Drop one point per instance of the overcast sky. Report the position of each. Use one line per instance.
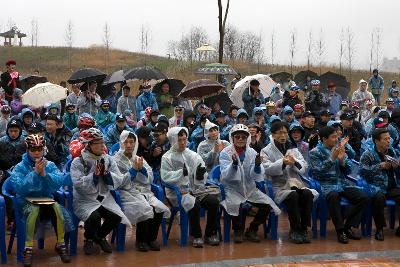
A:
(168, 19)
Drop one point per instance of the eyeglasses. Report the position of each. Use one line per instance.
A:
(178, 109)
(36, 149)
(240, 137)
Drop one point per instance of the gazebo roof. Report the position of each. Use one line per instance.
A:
(11, 33)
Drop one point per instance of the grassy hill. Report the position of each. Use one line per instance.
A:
(53, 62)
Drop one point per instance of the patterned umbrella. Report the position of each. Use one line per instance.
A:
(216, 69)
(201, 89)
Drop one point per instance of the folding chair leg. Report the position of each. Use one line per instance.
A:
(274, 227)
(3, 232)
(164, 232)
(121, 233)
(314, 226)
(227, 227)
(184, 228)
(392, 216)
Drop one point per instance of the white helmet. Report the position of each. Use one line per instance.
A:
(239, 128)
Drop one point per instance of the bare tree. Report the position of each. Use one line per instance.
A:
(10, 23)
(292, 48)
(378, 48)
(144, 41)
(231, 42)
(34, 34)
(350, 50)
(69, 41)
(320, 49)
(273, 47)
(310, 43)
(341, 50)
(221, 23)
(107, 44)
(372, 50)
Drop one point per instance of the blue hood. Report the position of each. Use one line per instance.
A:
(241, 112)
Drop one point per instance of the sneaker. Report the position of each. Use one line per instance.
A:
(342, 238)
(198, 242)
(105, 246)
(154, 245)
(251, 236)
(27, 257)
(295, 237)
(305, 237)
(89, 247)
(237, 237)
(379, 235)
(212, 240)
(62, 251)
(142, 246)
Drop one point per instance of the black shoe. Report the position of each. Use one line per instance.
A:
(379, 235)
(142, 246)
(154, 245)
(27, 257)
(342, 238)
(89, 247)
(212, 240)
(295, 237)
(251, 236)
(305, 238)
(238, 237)
(351, 235)
(398, 231)
(105, 246)
(62, 251)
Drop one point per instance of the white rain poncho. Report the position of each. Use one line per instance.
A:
(137, 198)
(272, 162)
(239, 181)
(206, 148)
(86, 192)
(172, 172)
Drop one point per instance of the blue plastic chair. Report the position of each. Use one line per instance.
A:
(113, 149)
(3, 231)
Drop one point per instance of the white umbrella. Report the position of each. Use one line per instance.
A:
(266, 85)
(43, 93)
(205, 47)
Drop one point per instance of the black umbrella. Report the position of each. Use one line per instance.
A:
(175, 86)
(342, 85)
(201, 89)
(301, 77)
(144, 73)
(223, 99)
(31, 80)
(280, 77)
(86, 75)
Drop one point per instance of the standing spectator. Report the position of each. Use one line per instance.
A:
(113, 100)
(362, 95)
(291, 97)
(145, 100)
(315, 101)
(393, 86)
(276, 93)
(10, 80)
(237, 78)
(89, 101)
(127, 101)
(377, 85)
(334, 98)
(252, 97)
(165, 100)
(72, 98)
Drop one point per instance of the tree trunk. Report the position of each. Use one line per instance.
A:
(221, 27)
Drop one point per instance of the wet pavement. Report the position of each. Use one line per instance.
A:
(321, 252)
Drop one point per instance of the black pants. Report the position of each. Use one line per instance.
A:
(299, 206)
(378, 205)
(211, 204)
(94, 228)
(260, 218)
(358, 202)
(147, 231)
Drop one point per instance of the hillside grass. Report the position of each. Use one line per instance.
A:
(53, 63)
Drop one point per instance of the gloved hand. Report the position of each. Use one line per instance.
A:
(185, 170)
(200, 171)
